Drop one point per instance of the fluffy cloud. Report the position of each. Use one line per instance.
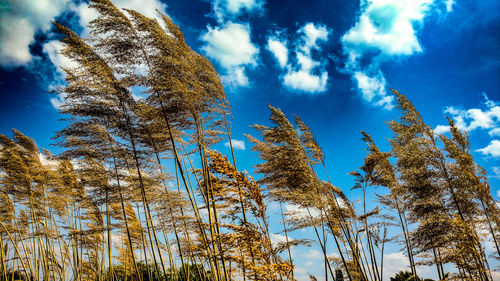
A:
(449, 5)
(496, 174)
(20, 21)
(231, 47)
(385, 30)
(395, 262)
(312, 34)
(389, 26)
(305, 81)
(495, 275)
(441, 129)
(53, 50)
(312, 254)
(493, 149)
(230, 8)
(237, 144)
(85, 15)
(495, 132)
(279, 49)
(229, 43)
(278, 238)
(486, 118)
(305, 74)
(372, 87)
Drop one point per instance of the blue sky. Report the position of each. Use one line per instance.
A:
(330, 62)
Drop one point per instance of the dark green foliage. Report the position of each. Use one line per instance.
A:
(339, 276)
(196, 272)
(407, 276)
(13, 276)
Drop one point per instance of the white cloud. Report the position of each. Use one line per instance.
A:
(57, 102)
(305, 81)
(278, 238)
(235, 77)
(306, 74)
(14, 47)
(486, 117)
(301, 273)
(47, 162)
(53, 50)
(481, 119)
(279, 50)
(237, 144)
(441, 129)
(235, 6)
(393, 263)
(370, 86)
(231, 47)
(495, 132)
(449, 5)
(229, 43)
(372, 89)
(309, 263)
(493, 149)
(496, 174)
(230, 8)
(305, 61)
(389, 26)
(313, 34)
(20, 21)
(312, 254)
(385, 30)
(86, 15)
(495, 275)
(386, 102)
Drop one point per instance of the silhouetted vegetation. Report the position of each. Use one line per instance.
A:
(407, 276)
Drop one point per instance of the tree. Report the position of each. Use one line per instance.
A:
(339, 276)
(407, 276)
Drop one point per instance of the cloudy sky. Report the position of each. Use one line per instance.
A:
(331, 62)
